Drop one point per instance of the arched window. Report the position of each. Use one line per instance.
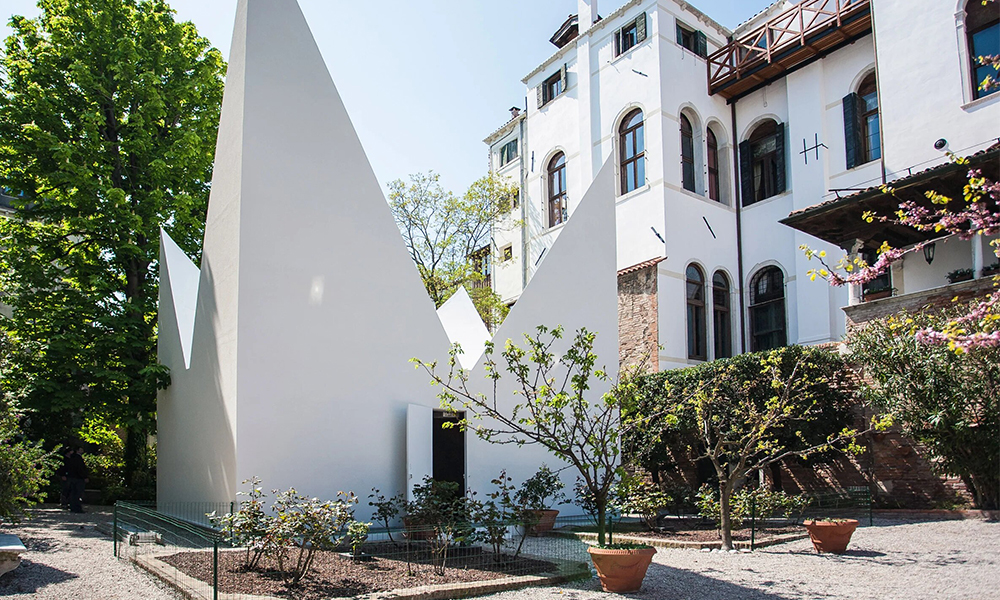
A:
(762, 162)
(632, 151)
(721, 319)
(557, 189)
(767, 310)
(982, 22)
(861, 124)
(868, 92)
(697, 331)
(687, 154)
(713, 166)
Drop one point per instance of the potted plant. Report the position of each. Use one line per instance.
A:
(991, 270)
(534, 496)
(831, 535)
(877, 290)
(959, 275)
(557, 409)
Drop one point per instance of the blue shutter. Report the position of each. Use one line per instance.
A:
(701, 43)
(853, 143)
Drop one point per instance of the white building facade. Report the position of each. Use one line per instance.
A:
(717, 136)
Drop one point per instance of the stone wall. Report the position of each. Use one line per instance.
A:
(936, 298)
(638, 332)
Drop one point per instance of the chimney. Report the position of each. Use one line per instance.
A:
(514, 112)
(587, 11)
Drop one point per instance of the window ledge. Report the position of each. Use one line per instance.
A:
(981, 101)
(630, 195)
(784, 194)
(629, 51)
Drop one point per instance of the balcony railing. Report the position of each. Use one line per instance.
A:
(789, 39)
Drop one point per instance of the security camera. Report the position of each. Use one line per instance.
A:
(941, 144)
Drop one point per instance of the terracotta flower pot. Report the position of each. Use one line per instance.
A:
(831, 536)
(621, 570)
(545, 520)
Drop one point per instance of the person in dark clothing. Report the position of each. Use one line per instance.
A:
(62, 473)
(76, 479)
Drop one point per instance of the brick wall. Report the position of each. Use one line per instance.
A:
(638, 331)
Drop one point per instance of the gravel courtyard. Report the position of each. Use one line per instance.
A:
(891, 561)
(67, 558)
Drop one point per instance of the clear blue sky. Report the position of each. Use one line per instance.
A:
(424, 80)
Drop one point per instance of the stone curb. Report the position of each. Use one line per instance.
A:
(661, 543)
(989, 515)
(194, 589)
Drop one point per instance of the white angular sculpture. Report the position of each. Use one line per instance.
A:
(294, 365)
(464, 326)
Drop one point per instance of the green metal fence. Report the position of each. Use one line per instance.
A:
(195, 558)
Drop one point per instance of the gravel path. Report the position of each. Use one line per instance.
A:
(913, 561)
(68, 559)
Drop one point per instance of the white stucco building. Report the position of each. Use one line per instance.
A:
(718, 136)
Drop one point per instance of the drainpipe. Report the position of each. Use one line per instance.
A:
(878, 95)
(738, 203)
(522, 133)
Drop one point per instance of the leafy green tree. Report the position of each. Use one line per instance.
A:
(449, 237)
(948, 401)
(750, 411)
(108, 118)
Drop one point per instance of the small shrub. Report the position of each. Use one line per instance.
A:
(311, 525)
(357, 533)
(635, 496)
(386, 509)
(536, 491)
(24, 469)
(763, 503)
(444, 512)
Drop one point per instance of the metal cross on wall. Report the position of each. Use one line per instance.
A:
(816, 146)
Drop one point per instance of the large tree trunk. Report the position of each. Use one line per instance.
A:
(725, 517)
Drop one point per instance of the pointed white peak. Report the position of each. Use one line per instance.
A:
(576, 285)
(464, 326)
(182, 276)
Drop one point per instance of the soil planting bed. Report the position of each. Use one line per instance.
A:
(696, 532)
(334, 576)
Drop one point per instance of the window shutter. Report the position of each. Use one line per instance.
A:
(746, 174)
(852, 130)
(562, 79)
(618, 42)
(779, 158)
(680, 34)
(541, 99)
(701, 43)
(640, 28)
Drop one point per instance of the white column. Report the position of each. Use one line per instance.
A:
(854, 289)
(977, 256)
(587, 11)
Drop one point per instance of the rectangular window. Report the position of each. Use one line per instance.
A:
(685, 37)
(507, 253)
(693, 40)
(631, 35)
(508, 152)
(552, 87)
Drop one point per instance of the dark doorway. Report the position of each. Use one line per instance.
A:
(449, 449)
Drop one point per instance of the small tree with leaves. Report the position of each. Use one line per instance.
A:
(24, 469)
(753, 410)
(555, 407)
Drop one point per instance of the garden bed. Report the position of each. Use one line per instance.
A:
(680, 534)
(334, 576)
